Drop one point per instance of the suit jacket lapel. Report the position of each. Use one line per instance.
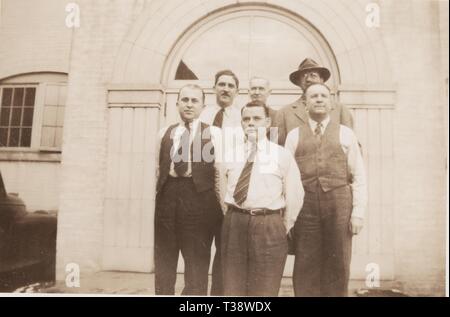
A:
(298, 108)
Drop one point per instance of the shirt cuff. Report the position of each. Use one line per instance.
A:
(358, 212)
(289, 224)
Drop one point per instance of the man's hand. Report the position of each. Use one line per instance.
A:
(290, 234)
(224, 207)
(291, 242)
(356, 224)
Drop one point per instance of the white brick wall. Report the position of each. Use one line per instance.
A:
(419, 148)
(34, 37)
(37, 183)
(95, 45)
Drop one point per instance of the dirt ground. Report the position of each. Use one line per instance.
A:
(128, 283)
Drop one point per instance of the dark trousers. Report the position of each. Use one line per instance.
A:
(323, 244)
(254, 252)
(184, 221)
(217, 274)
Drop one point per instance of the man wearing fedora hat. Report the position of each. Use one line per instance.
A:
(294, 114)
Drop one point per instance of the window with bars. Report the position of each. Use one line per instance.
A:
(16, 116)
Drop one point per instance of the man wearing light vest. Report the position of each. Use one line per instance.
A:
(333, 177)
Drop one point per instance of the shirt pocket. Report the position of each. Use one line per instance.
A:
(270, 179)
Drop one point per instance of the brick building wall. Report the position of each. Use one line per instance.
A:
(34, 39)
(95, 45)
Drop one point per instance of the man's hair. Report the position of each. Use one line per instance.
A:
(259, 77)
(320, 84)
(192, 86)
(256, 103)
(226, 72)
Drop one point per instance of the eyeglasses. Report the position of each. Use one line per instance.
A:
(312, 75)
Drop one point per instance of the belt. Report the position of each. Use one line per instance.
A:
(257, 211)
(179, 177)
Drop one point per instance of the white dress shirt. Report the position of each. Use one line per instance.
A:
(275, 181)
(231, 116)
(355, 163)
(232, 133)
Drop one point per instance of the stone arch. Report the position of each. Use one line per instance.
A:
(269, 14)
(358, 50)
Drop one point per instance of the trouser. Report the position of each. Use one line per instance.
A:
(217, 274)
(323, 244)
(184, 221)
(254, 252)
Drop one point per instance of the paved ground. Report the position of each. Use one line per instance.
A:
(127, 283)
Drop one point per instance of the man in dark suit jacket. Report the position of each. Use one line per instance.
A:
(294, 114)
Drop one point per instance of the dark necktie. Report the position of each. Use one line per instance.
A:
(241, 190)
(181, 164)
(318, 131)
(218, 119)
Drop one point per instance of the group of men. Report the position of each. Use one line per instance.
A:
(221, 178)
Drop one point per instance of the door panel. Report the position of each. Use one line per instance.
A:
(130, 189)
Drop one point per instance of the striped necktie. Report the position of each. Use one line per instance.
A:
(241, 190)
(181, 165)
(318, 131)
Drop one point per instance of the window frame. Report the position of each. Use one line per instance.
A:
(37, 116)
(41, 118)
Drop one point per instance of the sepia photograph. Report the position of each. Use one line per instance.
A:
(224, 148)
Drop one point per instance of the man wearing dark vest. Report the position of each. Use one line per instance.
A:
(264, 194)
(187, 206)
(294, 114)
(333, 177)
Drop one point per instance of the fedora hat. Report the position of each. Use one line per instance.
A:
(309, 64)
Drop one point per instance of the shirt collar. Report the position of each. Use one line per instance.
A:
(261, 145)
(193, 125)
(228, 109)
(313, 124)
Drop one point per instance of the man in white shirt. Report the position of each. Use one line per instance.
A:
(187, 209)
(333, 176)
(225, 115)
(264, 195)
